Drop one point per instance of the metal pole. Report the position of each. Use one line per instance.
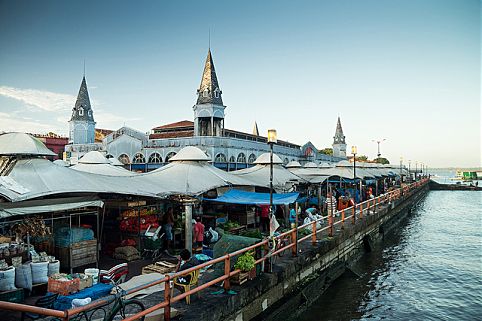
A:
(271, 181)
(188, 227)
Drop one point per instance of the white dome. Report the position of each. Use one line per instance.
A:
(293, 164)
(61, 162)
(22, 144)
(265, 159)
(310, 165)
(344, 163)
(190, 153)
(94, 157)
(115, 162)
(325, 165)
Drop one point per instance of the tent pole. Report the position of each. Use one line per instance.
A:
(188, 227)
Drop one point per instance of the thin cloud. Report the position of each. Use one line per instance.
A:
(45, 100)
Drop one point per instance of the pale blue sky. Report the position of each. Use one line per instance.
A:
(404, 70)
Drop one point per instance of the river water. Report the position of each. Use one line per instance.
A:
(430, 268)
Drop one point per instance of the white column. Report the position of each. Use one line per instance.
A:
(188, 227)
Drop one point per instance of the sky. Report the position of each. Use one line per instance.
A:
(407, 71)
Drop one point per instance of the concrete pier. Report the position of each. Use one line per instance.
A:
(297, 281)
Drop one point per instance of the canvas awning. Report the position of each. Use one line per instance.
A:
(252, 198)
(48, 205)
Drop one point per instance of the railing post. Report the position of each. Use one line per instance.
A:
(343, 218)
(330, 222)
(361, 210)
(313, 232)
(227, 270)
(294, 240)
(353, 216)
(167, 298)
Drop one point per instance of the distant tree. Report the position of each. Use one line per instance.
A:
(361, 158)
(327, 151)
(381, 160)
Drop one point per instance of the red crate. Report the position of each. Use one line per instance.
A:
(63, 287)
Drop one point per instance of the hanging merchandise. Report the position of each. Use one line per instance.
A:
(40, 272)
(23, 276)
(54, 267)
(7, 279)
(34, 226)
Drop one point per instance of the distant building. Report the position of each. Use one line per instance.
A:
(54, 142)
(229, 149)
(339, 144)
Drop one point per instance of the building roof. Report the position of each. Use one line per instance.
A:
(209, 84)
(339, 138)
(179, 124)
(172, 134)
(82, 109)
(22, 144)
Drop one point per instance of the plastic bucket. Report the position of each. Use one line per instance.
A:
(94, 273)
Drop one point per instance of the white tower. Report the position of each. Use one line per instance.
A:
(339, 145)
(82, 124)
(209, 108)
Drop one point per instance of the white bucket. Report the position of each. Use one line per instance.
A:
(94, 273)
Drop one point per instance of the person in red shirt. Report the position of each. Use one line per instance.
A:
(198, 232)
(264, 218)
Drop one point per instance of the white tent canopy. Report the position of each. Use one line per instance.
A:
(189, 173)
(94, 162)
(283, 179)
(22, 144)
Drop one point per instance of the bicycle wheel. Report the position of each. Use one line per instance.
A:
(129, 308)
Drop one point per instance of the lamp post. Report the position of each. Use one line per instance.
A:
(353, 151)
(272, 139)
(378, 143)
(409, 172)
(416, 165)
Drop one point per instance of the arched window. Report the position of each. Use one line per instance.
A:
(205, 92)
(168, 156)
(155, 158)
(220, 158)
(139, 159)
(251, 159)
(89, 112)
(124, 159)
(286, 160)
(232, 159)
(216, 93)
(109, 156)
(81, 111)
(241, 158)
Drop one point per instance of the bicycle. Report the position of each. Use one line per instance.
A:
(121, 309)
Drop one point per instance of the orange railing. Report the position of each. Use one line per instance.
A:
(357, 213)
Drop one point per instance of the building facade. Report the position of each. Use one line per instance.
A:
(228, 149)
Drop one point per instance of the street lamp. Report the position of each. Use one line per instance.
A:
(353, 151)
(409, 172)
(272, 139)
(378, 143)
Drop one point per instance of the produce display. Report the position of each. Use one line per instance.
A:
(131, 224)
(34, 226)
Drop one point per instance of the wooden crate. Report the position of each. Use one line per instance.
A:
(83, 253)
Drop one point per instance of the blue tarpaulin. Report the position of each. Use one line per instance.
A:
(252, 198)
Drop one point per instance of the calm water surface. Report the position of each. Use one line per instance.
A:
(429, 269)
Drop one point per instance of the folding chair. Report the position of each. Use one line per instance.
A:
(194, 280)
(117, 273)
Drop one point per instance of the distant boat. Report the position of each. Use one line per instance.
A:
(466, 175)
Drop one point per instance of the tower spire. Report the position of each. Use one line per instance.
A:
(339, 138)
(209, 92)
(82, 109)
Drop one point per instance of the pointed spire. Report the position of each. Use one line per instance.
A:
(209, 92)
(255, 129)
(82, 109)
(339, 138)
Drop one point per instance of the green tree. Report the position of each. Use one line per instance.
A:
(361, 158)
(327, 151)
(381, 160)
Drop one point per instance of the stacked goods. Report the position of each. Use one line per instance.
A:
(9, 251)
(34, 226)
(135, 212)
(77, 254)
(63, 284)
(7, 279)
(65, 236)
(23, 276)
(131, 224)
(128, 253)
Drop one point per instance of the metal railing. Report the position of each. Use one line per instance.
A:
(356, 212)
